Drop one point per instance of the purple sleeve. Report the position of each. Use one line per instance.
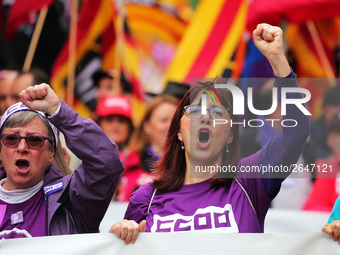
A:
(285, 148)
(139, 203)
(95, 179)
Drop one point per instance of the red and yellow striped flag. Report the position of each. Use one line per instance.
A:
(94, 17)
(210, 40)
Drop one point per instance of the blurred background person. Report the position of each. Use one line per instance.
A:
(325, 190)
(319, 126)
(114, 116)
(6, 79)
(104, 82)
(146, 145)
(25, 79)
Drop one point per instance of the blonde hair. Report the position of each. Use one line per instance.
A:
(60, 162)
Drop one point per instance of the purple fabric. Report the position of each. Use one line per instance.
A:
(267, 132)
(241, 207)
(286, 147)
(33, 211)
(199, 207)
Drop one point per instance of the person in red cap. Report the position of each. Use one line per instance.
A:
(114, 114)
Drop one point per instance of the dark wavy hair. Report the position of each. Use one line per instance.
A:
(170, 170)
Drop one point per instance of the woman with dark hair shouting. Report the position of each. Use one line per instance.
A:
(237, 201)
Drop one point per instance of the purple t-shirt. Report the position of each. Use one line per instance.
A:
(27, 219)
(240, 207)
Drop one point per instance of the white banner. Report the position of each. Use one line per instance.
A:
(286, 232)
(174, 243)
(277, 220)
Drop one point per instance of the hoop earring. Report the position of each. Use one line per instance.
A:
(227, 148)
(182, 146)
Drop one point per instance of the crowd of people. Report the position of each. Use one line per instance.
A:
(159, 165)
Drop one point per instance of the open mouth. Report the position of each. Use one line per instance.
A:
(204, 136)
(22, 166)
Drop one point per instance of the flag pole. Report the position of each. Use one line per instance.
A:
(72, 53)
(35, 39)
(118, 23)
(321, 52)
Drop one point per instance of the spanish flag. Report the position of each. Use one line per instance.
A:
(209, 43)
(94, 17)
(152, 21)
(145, 27)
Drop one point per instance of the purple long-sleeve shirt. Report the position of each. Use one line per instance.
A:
(240, 207)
